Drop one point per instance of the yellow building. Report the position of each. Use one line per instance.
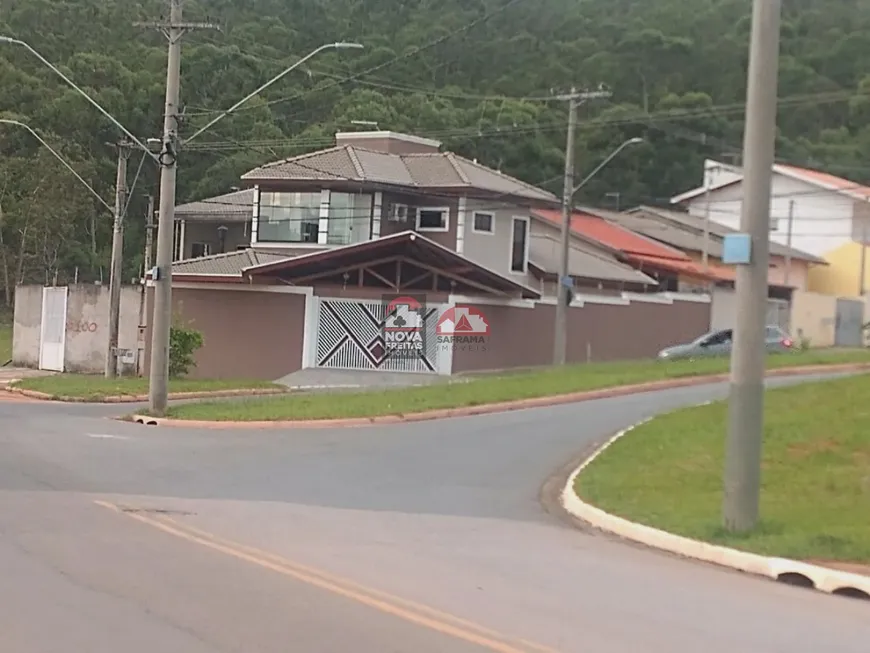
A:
(842, 275)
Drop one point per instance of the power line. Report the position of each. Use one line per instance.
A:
(594, 123)
(390, 62)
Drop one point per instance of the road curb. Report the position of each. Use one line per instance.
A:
(134, 399)
(487, 409)
(823, 579)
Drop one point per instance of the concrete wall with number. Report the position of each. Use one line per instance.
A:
(87, 320)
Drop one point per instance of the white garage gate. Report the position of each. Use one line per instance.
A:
(350, 336)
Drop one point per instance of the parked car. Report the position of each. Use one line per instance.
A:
(718, 343)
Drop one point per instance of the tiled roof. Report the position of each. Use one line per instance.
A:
(686, 267)
(613, 235)
(544, 253)
(421, 171)
(232, 207)
(410, 245)
(686, 232)
(814, 177)
(228, 264)
(824, 179)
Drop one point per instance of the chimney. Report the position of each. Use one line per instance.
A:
(388, 142)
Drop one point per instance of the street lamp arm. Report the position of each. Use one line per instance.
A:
(59, 158)
(276, 78)
(613, 155)
(80, 91)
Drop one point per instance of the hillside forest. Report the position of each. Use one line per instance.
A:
(478, 75)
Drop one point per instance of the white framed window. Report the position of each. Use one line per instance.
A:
(433, 218)
(288, 217)
(350, 217)
(483, 222)
(519, 252)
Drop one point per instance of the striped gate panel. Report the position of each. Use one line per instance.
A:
(350, 337)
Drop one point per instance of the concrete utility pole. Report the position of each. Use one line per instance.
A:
(560, 335)
(746, 403)
(116, 272)
(560, 340)
(705, 256)
(146, 266)
(174, 30)
(790, 228)
(862, 284)
(149, 233)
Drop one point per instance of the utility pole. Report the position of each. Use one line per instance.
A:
(705, 255)
(790, 230)
(560, 344)
(862, 285)
(746, 399)
(174, 30)
(565, 283)
(116, 272)
(149, 234)
(146, 266)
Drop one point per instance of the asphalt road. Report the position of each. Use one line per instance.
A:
(427, 537)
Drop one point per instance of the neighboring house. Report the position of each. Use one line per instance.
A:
(336, 236)
(789, 267)
(213, 226)
(814, 212)
(672, 269)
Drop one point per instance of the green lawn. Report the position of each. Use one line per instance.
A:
(815, 500)
(484, 390)
(82, 386)
(5, 341)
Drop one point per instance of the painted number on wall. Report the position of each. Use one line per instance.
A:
(81, 326)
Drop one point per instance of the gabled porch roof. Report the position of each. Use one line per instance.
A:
(402, 262)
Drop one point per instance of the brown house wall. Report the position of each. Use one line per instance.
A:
(254, 335)
(522, 337)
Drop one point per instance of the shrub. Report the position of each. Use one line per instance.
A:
(183, 343)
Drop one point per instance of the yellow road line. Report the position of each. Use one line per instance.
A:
(409, 611)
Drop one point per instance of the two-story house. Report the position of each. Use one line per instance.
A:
(305, 281)
(372, 185)
(813, 212)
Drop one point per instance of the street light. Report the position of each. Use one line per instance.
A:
(33, 133)
(158, 383)
(75, 87)
(603, 164)
(560, 335)
(276, 78)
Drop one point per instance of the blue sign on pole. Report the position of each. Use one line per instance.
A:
(737, 249)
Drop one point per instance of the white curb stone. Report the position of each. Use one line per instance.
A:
(823, 579)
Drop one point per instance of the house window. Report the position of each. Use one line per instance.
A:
(350, 218)
(433, 219)
(199, 249)
(178, 240)
(483, 223)
(288, 217)
(520, 245)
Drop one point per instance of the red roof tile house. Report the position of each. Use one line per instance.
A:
(673, 269)
(335, 236)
